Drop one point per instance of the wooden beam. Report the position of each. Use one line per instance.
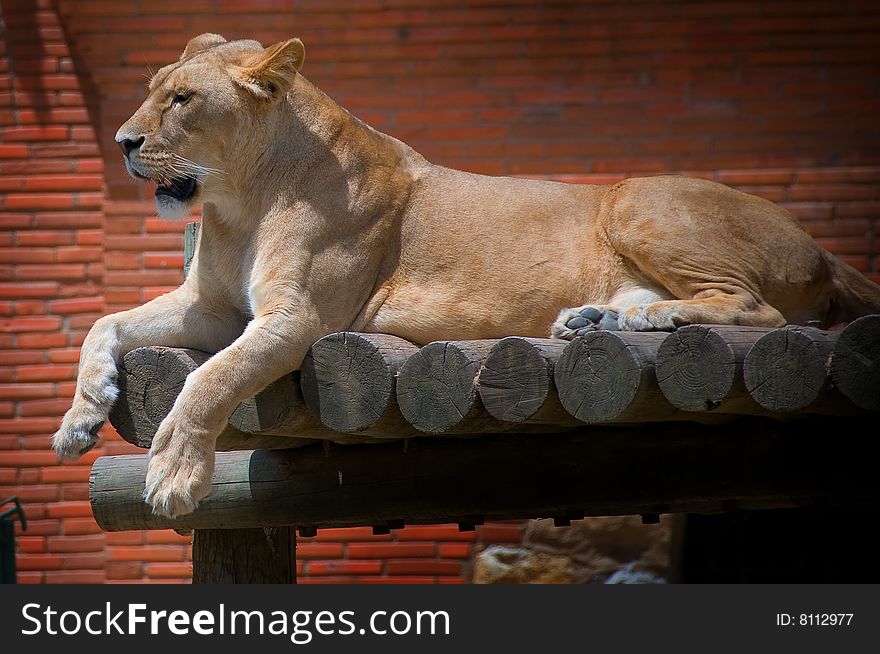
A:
(855, 362)
(666, 467)
(608, 376)
(244, 556)
(150, 378)
(787, 370)
(699, 368)
(516, 382)
(348, 381)
(436, 388)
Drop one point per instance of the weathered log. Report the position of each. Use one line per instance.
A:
(700, 368)
(436, 388)
(787, 370)
(244, 556)
(855, 362)
(618, 470)
(608, 376)
(516, 383)
(348, 382)
(150, 379)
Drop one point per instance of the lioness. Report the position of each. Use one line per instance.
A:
(314, 222)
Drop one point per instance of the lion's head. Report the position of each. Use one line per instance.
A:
(200, 117)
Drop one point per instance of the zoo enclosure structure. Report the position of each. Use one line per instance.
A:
(705, 420)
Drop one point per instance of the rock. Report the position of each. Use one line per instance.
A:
(592, 550)
(499, 564)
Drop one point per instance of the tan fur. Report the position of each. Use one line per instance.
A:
(313, 222)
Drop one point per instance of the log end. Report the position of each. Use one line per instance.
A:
(696, 368)
(435, 388)
(347, 379)
(855, 364)
(787, 369)
(515, 380)
(598, 377)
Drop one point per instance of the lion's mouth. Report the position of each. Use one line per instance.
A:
(182, 188)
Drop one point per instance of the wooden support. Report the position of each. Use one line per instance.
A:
(436, 388)
(855, 362)
(616, 470)
(700, 368)
(787, 370)
(516, 383)
(244, 556)
(608, 376)
(348, 381)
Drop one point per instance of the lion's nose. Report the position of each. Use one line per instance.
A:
(128, 144)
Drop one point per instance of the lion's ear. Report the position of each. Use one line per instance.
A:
(270, 73)
(201, 42)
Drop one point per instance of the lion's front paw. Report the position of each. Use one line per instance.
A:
(578, 321)
(180, 468)
(79, 431)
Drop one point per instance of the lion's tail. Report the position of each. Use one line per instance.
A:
(852, 295)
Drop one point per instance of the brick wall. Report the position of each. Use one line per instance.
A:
(779, 98)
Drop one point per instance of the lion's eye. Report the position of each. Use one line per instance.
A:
(180, 98)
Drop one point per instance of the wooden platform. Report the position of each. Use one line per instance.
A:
(377, 431)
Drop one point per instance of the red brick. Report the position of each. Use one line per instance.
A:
(318, 550)
(163, 260)
(76, 577)
(92, 543)
(28, 426)
(39, 562)
(41, 340)
(19, 391)
(46, 324)
(43, 407)
(422, 567)
(495, 532)
(154, 553)
(124, 569)
(167, 537)
(347, 534)
(31, 544)
(434, 532)
(35, 133)
(69, 509)
(125, 538)
(169, 570)
(454, 550)
(65, 474)
(34, 237)
(755, 177)
(390, 550)
(830, 192)
(344, 567)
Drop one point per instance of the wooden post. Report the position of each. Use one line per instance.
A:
(609, 377)
(855, 363)
(516, 382)
(699, 368)
(244, 556)
(190, 240)
(348, 381)
(436, 388)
